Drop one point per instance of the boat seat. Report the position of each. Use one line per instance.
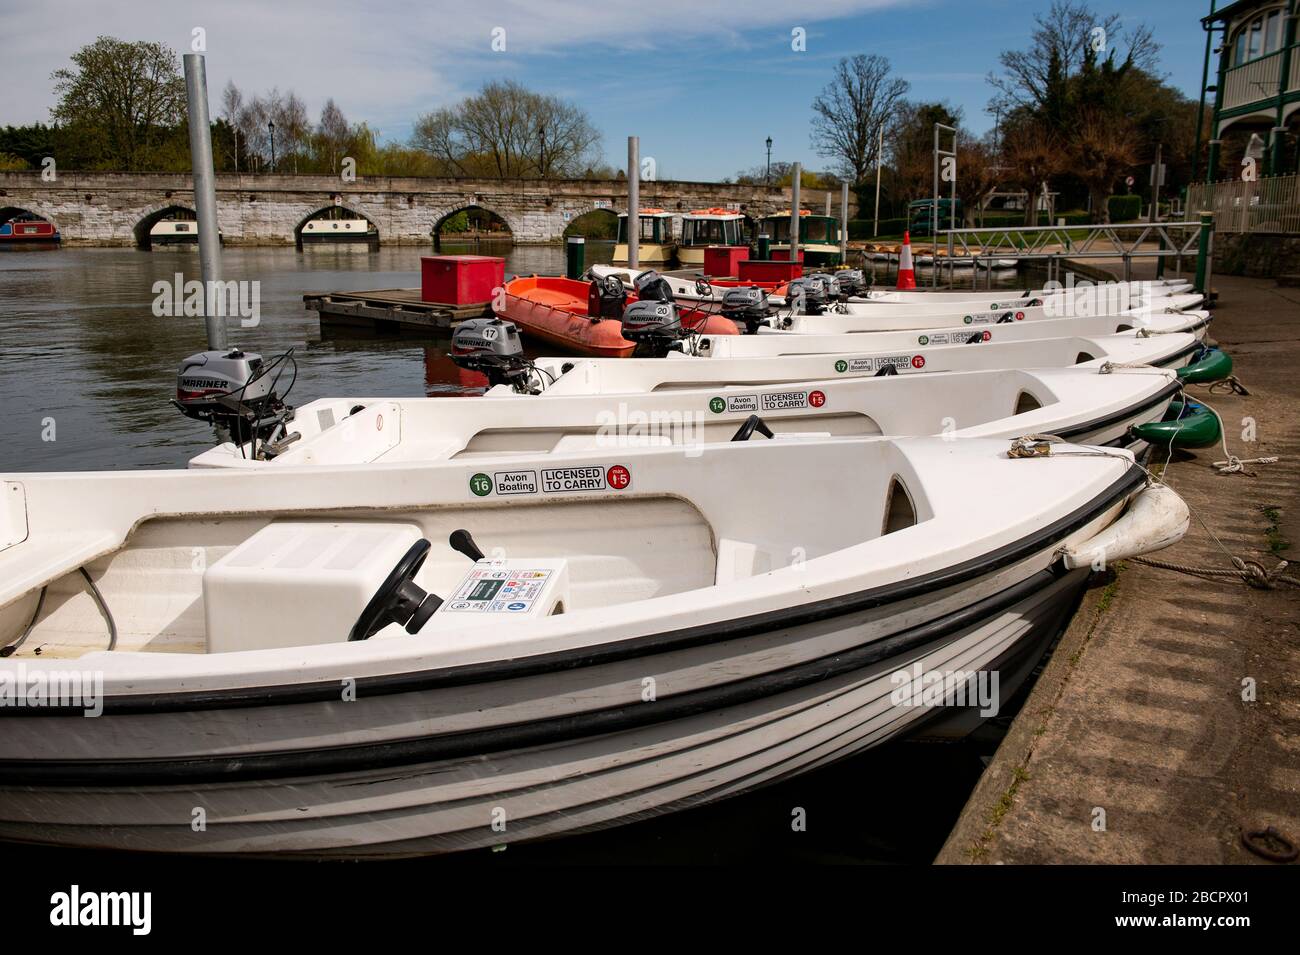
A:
(740, 559)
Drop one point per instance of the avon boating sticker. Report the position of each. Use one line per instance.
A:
(497, 591)
(515, 482)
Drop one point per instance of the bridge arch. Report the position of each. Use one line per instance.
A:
(155, 215)
(8, 211)
(594, 224)
(338, 212)
(488, 220)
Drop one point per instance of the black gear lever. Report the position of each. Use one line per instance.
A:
(461, 540)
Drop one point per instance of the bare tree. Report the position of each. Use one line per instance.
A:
(1033, 155)
(1066, 38)
(850, 111)
(1101, 150)
(978, 175)
(232, 105)
(333, 133)
(509, 132)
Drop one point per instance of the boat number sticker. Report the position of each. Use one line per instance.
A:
(481, 484)
(785, 400)
(745, 403)
(619, 477)
(924, 340)
(918, 361)
(967, 319)
(816, 399)
(841, 366)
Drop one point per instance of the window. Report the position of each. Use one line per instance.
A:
(1259, 37)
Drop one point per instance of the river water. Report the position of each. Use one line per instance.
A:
(86, 371)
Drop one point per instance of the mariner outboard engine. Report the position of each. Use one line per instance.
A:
(653, 287)
(806, 294)
(235, 392)
(748, 306)
(828, 284)
(655, 327)
(607, 298)
(492, 347)
(850, 282)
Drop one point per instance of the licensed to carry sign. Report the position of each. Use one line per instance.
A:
(785, 400)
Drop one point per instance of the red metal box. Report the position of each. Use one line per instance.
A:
(460, 279)
(721, 261)
(767, 270)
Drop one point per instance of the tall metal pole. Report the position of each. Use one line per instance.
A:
(880, 156)
(844, 222)
(794, 212)
(633, 202)
(205, 196)
(1200, 112)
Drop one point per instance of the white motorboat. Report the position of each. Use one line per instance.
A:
(270, 672)
(774, 342)
(1079, 404)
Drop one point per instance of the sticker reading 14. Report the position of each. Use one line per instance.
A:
(481, 484)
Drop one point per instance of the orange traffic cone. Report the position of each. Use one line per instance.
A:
(906, 274)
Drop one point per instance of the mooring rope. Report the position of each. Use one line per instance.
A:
(1250, 572)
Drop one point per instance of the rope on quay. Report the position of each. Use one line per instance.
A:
(1250, 572)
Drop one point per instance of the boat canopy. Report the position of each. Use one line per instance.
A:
(812, 228)
(656, 226)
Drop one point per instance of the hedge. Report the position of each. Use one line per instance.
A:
(1124, 208)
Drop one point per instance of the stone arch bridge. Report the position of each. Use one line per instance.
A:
(117, 209)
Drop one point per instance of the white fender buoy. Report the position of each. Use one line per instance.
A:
(1156, 518)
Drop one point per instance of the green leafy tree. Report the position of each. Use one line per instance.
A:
(125, 98)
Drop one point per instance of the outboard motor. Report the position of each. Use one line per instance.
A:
(234, 391)
(607, 298)
(850, 282)
(491, 347)
(827, 282)
(806, 296)
(653, 287)
(748, 306)
(655, 326)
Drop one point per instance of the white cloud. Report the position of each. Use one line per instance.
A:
(382, 62)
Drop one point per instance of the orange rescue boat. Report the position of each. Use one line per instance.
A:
(555, 309)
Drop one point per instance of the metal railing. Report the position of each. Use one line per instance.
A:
(1051, 245)
(1264, 205)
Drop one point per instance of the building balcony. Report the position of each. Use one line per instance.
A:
(1256, 83)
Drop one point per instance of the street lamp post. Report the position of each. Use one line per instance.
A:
(271, 126)
(541, 135)
(767, 177)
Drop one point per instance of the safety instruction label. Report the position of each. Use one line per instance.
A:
(485, 590)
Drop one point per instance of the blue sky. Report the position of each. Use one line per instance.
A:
(702, 83)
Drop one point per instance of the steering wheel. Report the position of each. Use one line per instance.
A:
(399, 599)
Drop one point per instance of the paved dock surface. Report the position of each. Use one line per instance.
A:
(1136, 745)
